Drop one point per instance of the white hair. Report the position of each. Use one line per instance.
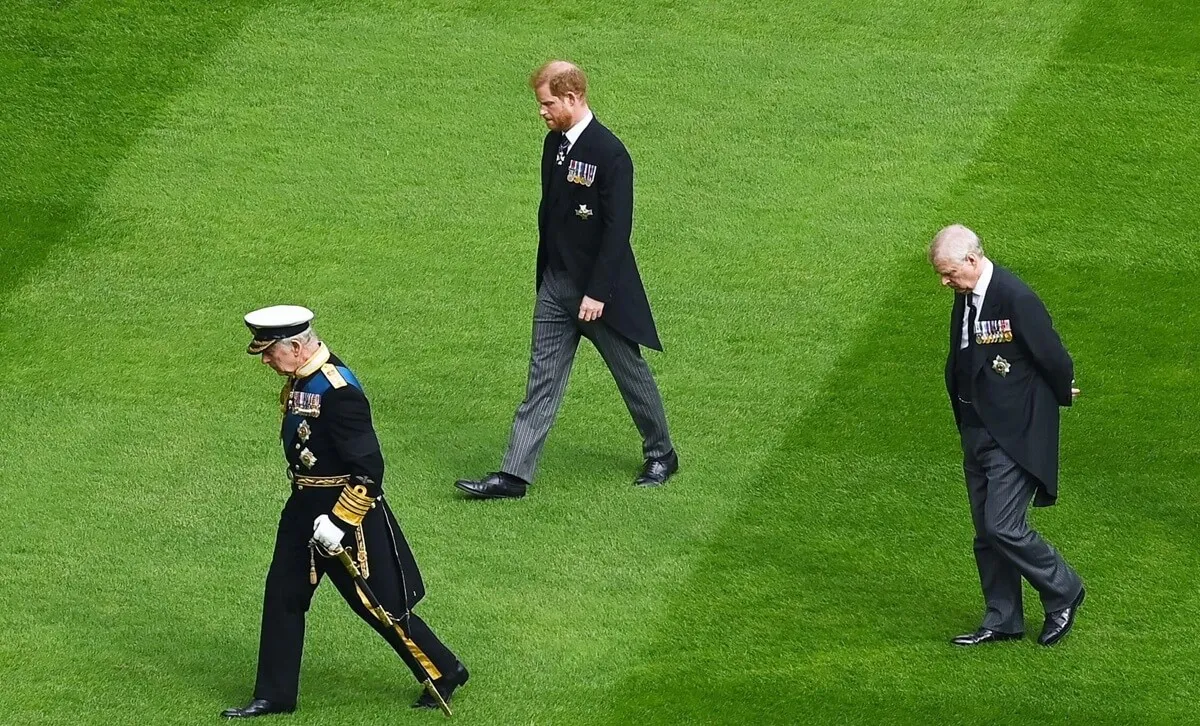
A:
(955, 243)
(306, 338)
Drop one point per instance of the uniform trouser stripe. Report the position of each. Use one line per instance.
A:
(556, 333)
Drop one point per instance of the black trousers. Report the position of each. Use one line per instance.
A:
(289, 592)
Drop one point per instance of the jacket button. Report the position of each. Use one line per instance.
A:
(297, 446)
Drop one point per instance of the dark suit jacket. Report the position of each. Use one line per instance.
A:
(588, 226)
(1020, 409)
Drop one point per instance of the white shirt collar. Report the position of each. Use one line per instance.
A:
(985, 279)
(574, 132)
(980, 289)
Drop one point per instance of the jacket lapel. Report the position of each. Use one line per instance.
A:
(990, 310)
(584, 141)
(558, 174)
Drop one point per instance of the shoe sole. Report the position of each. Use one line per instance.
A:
(649, 484)
(652, 483)
(476, 495)
(987, 642)
(237, 717)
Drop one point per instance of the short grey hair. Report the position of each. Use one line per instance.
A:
(305, 338)
(954, 243)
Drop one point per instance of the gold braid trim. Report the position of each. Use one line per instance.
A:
(353, 504)
(318, 481)
(361, 545)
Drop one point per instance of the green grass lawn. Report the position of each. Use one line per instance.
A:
(166, 167)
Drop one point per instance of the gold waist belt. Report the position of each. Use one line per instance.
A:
(319, 481)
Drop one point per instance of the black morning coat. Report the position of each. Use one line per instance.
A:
(1020, 409)
(588, 224)
(341, 438)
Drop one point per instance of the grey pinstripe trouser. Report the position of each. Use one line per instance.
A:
(1006, 548)
(556, 332)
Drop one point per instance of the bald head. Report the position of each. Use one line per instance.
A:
(954, 243)
(957, 255)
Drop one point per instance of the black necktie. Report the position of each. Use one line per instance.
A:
(971, 313)
(563, 147)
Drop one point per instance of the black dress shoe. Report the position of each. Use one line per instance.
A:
(257, 707)
(985, 635)
(657, 471)
(1058, 624)
(496, 485)
(445, 686)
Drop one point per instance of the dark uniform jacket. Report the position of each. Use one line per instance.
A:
(585, 220)
(1019, 407)
(327, 433)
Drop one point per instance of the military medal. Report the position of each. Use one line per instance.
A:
(1001, 366)
(304, 431)
(308, 458)
(993, 331)
(579, 172)
(583, 212)
(1006, 333)
(305, 404)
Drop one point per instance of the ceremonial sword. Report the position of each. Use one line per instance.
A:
(341, 555)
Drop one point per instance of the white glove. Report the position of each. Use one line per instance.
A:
(326, 533)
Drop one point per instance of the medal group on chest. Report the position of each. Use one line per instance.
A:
(306, 405)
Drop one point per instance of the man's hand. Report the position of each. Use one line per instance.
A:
(326, 533)
(590, 309)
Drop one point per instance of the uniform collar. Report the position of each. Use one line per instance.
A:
(313, 364)
(576, 131)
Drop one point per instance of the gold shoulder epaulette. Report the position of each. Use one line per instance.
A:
(335, 377)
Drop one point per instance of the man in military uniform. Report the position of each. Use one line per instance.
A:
(336, 471)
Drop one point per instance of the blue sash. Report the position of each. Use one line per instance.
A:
(317, 384)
